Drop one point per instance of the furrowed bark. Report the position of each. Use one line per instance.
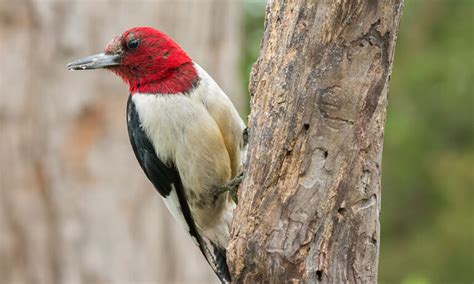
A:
(309, 205)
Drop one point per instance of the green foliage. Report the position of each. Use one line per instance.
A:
(254, 19)
(427, 220)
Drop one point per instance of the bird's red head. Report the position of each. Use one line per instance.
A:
(148, 60)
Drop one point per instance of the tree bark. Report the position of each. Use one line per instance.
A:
(75, 207)
(310, 202)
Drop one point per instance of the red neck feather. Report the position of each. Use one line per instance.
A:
(172, 81)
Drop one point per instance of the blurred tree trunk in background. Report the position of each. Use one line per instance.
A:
(75, 206)
(309, 205)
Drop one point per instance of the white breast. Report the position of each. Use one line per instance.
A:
(183, 133)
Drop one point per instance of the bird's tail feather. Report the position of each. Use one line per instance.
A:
(217, 259)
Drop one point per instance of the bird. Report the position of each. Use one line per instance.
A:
(186, 134)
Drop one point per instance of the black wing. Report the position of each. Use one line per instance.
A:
(164, 177)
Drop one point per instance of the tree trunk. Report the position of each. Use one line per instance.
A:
(75, 206)
(310, 202)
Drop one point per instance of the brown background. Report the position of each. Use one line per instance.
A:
(74, 205)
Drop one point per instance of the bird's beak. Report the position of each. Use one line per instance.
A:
(100, 60)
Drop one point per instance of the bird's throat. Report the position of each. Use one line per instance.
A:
(178, 80)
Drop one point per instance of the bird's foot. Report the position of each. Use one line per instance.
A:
(232, 187)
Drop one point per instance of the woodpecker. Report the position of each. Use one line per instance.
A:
(185, 132)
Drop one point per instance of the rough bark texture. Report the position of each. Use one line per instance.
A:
(310, 202)
(75, 206)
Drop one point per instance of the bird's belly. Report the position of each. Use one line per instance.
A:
(185, 135)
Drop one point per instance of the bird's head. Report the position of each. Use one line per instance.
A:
(147, 59)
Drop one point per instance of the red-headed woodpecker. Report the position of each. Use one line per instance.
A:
(184, 130)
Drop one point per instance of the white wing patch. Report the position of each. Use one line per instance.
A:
(172, 203)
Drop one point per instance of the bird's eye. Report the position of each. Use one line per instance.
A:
(133, 44)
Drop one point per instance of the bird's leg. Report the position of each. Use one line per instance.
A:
(232, 186)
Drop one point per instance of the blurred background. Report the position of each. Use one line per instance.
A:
(76, 208)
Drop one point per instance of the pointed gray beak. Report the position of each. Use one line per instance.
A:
(100, 60)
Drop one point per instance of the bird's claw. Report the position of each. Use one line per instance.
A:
(232, 187)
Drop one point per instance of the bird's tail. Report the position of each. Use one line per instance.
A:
(217, 259)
